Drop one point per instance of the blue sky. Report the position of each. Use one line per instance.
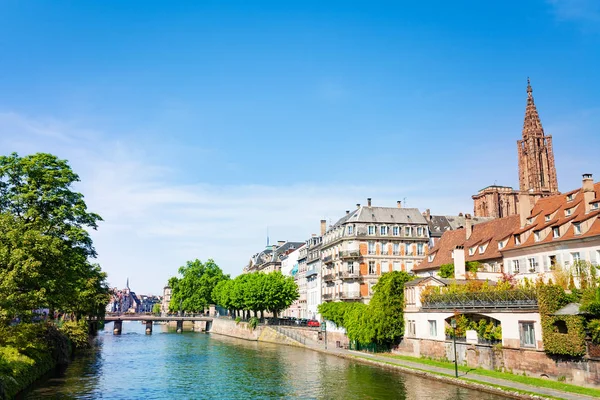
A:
(195, 125)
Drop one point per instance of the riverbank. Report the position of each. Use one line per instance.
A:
(30, 351)
(537, 389)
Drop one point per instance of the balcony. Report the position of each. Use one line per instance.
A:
(346, 254)
(347, 275)
(327, 296)
(349, 295)
(503, 300)
(328, 277)
(328, 260)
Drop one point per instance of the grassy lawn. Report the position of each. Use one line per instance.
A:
(539, 382)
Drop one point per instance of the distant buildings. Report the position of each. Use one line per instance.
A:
(125, 300)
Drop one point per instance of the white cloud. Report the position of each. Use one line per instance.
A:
(152, 225)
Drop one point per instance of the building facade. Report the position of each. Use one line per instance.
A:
(366, 243)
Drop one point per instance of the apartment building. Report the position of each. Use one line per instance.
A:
(366, 243)
(269, 259)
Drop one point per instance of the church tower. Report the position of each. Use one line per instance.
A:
(537, 173)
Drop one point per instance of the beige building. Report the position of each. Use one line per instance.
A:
(366, 243)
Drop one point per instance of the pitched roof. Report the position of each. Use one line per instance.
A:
(486, 233)
(386, 215)
(554, 207)
(438, 224)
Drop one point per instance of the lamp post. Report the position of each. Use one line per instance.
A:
(453, 323)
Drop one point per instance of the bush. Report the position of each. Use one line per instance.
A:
(594, 329)
(77, 333)
(253, 323)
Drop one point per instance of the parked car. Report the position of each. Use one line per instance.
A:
(313, 322)
(302, 321)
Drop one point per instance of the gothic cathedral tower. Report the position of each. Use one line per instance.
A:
(537, 173)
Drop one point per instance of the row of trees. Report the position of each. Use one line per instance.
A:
(192, 291)
(381, 321)
(45, 247)
(256, 292)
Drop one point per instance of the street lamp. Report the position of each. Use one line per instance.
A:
(453, 324)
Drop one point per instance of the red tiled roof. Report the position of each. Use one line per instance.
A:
(489, 233)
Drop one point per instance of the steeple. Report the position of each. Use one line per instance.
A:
(537, 173)
(532, 127)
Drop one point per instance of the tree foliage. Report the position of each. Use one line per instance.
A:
(382, 320)
(45, 246)
(257, 292)
(193, 291)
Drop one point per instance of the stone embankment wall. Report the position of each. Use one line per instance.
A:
(228, 327)
(532, 362)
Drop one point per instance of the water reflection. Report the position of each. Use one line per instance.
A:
(191, 365)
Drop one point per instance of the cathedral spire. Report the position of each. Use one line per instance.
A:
(532, 126)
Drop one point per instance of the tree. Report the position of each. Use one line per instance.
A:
(44, 242)
(194, 289)
(446, 271)
(281, 291)
(156, 308)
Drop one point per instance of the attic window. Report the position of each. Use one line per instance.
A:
(471, 251)
(555, 232)
(568, 212)
(529, 220)
(577, 229)
(431, 257)
(501, 244)
(595, 206)
(482, 248)
(548, 217)
(537, 236)
(517, 239)
(570, 197)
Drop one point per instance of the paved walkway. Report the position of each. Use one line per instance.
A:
(450, 371)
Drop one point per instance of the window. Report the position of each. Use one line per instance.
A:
(517, 240)
(533, 264)
(515, 265)
(408, 249)
(420, 231)
(570, 197)
(371, 248)
(351, 267)
(471, 251)
(407, 231)
(385, 266)
(595, 206)
(555, 232)
(576, 257)
(552, 261)
(397, 266)
(409, 266)
(481, 249)
(537, 236)
(396, 230)
(411, 328)
(420, 251)
(529, 221)
(577, 229)
(568, 212)
(548, 217)
(501, 244)
(350, 229)
(384, 248)
(430, 258)
(527, 333)
(371, 267)
(371, 230)
(396, 249)
(432, 328)
(383, 230)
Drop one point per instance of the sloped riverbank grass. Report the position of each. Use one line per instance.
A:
(528, 380)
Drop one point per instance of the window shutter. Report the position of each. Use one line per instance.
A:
(546, 263)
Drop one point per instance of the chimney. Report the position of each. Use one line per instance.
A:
(347, 212)
(280, 243)
(399, 204)
(458, 255)
(428, 214)
(460, 214)
(524, 207)
(323, 226)
(369, 202)
(468, 225)
(588, 191)
(357, 205)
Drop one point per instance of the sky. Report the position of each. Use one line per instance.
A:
(196, 127)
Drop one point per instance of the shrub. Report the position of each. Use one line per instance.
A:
(253, 323)
(77, 333)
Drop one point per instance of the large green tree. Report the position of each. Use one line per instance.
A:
(193, 291)
(45, 246)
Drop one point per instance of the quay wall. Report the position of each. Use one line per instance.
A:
(535, 363)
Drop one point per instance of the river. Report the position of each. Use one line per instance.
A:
(166, 365)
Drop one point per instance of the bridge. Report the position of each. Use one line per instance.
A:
(118, 319)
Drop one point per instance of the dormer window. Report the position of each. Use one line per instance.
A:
(595, 206)
(482, 249)
(577, 229)
(383, 230)
(471, 251)
(568, 212)
(431, 257)
(501, 244)
(517, 240)
(548, 217)
(529, 220)
(555, 232)
(396, 230)
(371, 229)
(570, 197)
(350, 229)
(537, 236)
